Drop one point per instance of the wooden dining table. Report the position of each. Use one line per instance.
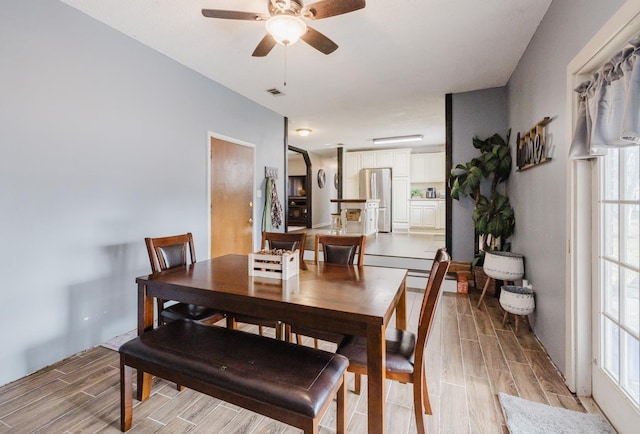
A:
(349, 300)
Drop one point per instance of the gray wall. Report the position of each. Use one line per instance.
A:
(479, 113)
(88, 117)
(538, 89)
(322, 206)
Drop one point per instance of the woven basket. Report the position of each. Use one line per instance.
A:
(504, 265)
(517, 299)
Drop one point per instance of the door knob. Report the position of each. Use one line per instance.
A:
(250, 220)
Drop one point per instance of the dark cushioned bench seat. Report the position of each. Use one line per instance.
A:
(287, 382)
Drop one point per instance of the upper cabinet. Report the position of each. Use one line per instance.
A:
(352, 164)
(428, 167)
(351, 168)
(401, 166)
(397, 159)
(384, 159)
(375, 159)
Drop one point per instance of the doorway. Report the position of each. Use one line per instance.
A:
(231, 194)
(602, 332)
(299, 189)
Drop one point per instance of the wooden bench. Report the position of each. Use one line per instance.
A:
(284, 381)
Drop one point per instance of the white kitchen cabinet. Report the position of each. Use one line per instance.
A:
(435, 170)
(401, 164)
(428, 167)
(423, 214)
(400, 191)
(350, 181)
(418, 168)
(351, 189)
(375, 159)
(352, 164)
(441, 215)
(384, 159)
(368, 160)
(427, 214)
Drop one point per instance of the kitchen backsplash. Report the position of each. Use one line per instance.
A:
(439, 188)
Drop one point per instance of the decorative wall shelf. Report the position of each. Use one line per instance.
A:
(532, 146)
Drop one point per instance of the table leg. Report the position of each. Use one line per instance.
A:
(401, 308)
(376, 349)
(145, 323)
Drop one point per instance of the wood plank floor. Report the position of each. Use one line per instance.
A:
(471, 357)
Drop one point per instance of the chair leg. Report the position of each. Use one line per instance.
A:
(417, 407)
(504, 318)
(260, 330)
(126, 400)
(484, 290)
(315, 343)
(357, 384)
(425, 395)
(341, 403)
(298, 339)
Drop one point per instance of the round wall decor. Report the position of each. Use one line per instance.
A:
(322, 178)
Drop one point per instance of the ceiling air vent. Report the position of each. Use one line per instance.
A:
(275, 92)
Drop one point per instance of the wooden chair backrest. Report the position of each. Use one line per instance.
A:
(280, 238)
(169, 252)
(358, 242)
(431, 295)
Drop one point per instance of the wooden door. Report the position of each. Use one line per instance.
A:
(232, 172)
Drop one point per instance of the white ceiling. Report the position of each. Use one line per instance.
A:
(395, 62)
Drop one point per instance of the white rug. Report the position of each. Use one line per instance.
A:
(114, 343)
(528, 417)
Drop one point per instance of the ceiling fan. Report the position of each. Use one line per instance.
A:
(286, 22)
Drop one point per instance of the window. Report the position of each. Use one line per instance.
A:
(619, 269)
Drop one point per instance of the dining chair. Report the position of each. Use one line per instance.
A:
(275, 240)
(404, 351)
(169, 252)
(286, 241)
(338, 250)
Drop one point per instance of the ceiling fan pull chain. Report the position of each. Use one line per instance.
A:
(285, 65)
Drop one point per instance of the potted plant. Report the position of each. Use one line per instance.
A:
(493, 216)
(416, 194)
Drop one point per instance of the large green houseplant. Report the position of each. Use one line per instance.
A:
(493, 216)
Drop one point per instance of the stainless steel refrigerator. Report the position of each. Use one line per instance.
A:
(376, 184)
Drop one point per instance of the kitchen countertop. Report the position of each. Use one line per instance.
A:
(353, 200)
(426, 198)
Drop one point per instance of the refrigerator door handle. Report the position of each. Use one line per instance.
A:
(374, 190)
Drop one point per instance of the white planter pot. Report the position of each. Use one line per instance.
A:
(517, 299)
(504, 265)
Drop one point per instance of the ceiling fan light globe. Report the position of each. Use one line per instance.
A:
(286, 29)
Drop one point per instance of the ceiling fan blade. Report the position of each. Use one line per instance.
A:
(330, 8)
(319, 41)
(233, 15)
(264, 46)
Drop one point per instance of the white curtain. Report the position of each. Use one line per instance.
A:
(609, 106)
